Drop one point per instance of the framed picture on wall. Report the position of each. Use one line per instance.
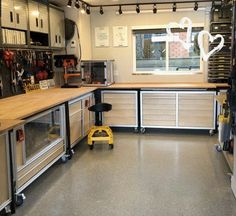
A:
(102, 36)
(120, 36)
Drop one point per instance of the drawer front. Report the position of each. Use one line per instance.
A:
(124, 109)
(75, 127)
(32, 169)
(75, 107)
(196, 110)
(159, 109)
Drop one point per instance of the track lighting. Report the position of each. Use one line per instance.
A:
(101, 10)
(87, 9)
(120, 10)
(83, 9)
(69, 3)
(77, 4)
(195, 6)
(174, 7)
(137, 8)
(154, 8)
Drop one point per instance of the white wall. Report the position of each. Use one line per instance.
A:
(123, 56)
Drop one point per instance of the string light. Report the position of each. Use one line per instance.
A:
(87, 9)
(83, 9)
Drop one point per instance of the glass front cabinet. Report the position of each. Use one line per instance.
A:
(39, 143)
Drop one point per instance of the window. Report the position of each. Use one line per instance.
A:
(156, 53)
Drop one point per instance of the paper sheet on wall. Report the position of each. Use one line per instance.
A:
(102, 36)
(120, 37)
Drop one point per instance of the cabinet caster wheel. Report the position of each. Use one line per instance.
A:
(20, 199)
(64, 158)
(135, 130)
(71, 153)
(111, 146)
(218, 148)
(142, 130)
(211, 132)
(91, 147)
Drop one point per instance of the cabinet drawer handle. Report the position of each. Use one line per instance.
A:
(41, 22)
(37, 22)
(11, 16)
(59, 38)
(18, 18)
(56, 38)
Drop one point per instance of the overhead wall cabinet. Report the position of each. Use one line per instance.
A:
(5, 186)
(14, 22)
(57, 28)
(178, 109)
(124, 111)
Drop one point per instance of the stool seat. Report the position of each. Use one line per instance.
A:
(100, 107)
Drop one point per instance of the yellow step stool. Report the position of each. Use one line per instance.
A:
(100, 132)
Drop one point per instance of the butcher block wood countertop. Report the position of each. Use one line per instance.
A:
(25, 105)
(8, 124)
(167, 85)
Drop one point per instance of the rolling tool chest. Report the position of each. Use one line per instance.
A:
(219, 64)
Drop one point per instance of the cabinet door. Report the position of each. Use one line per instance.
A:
(75, 113)
(4, 170)
(124, 108)
(196, 110)
(158, 109)
(8, 18)
(61, 28)
(86, 103)
(53, 27)
(43, 18)
(20, 13)
(34, 16)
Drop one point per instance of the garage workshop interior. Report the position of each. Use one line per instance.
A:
(117, 107)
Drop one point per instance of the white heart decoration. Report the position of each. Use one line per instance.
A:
(187, 43)
(204, 55)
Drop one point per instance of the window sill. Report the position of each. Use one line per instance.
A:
(169, 73)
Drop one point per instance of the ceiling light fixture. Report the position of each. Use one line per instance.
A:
(77, 4)
(137, 8)
(120, 10)
(69, 4)
(87, 9)
(101, 10)
(83, 9)
(155, 8)
(195, 6)
(174, 7)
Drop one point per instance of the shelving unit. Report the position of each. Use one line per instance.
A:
(220, 24)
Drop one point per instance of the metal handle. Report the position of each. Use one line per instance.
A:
(18, 18)
(11, 16)
(56, 38)
(37, 22)
(41, 23)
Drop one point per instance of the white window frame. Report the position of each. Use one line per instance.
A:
(166, 72)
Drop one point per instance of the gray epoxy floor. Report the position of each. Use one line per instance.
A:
(161, 173)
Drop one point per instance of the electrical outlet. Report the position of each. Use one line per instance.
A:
(73, 44)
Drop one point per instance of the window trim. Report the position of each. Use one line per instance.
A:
(166, 72)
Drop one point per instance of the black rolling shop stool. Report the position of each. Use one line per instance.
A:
(100, 132)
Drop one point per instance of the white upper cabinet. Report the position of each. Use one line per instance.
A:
(14, 14)
(38, 17)
(57, 27)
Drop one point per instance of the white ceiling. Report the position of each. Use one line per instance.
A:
(104, 2)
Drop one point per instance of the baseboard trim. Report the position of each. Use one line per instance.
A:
(233, 185)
